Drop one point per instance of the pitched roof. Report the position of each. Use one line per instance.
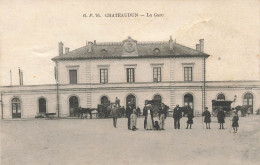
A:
(112, 50)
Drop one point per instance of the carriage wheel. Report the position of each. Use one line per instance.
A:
(101, 115)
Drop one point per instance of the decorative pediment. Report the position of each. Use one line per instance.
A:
(130, 47)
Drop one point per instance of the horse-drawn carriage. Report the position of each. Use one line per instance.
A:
(155, 106)
(220, 104)
(104, 110)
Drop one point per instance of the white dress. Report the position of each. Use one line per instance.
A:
(149, 124)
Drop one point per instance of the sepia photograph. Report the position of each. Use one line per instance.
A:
(144, 82)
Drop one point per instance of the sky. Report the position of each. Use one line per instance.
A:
(30, 31)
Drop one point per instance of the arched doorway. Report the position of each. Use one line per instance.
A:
(16, 108)
(248, 101)
(131, 100)
(42, 105)
(221, 97)
(74, 103)
(188, 100)
(157, 98)
(104, 100)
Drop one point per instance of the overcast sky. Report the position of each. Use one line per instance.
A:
(31, 29)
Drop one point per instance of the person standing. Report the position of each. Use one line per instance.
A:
(190, 117)
(207, 117)
(123, 111)
(114, 114)
(162, 116)
(133, 120)
(138, 111)
(177, 115)
(235, 122)
(149, 123)
(128, 113)
(221, 118)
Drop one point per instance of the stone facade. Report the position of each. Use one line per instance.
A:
(171, 57)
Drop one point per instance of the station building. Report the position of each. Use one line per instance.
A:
(133, 72)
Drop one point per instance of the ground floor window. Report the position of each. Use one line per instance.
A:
(16, 108)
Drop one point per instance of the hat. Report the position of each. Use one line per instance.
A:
(206, 108)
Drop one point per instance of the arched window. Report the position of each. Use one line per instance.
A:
(158, 98)
(42, 105)
(248, 101)
(131, 100)
(104, 100)
(74, 103)
(188, 100)
(221, 97)
(16, 108)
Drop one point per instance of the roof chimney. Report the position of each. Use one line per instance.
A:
(198, 47)
(60, 48)
(67, 50)
(171, 43)
(90, 46)
(202, 45)
(95, 42)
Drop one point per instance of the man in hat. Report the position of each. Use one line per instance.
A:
(162, 115)
(221, 118)
(128, 113)
(114, 114)
(207, 117)
(177, 115)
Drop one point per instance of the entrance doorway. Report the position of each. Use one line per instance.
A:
(16, 108)
(74, 103)
(248, 101)
(131, 100)
(42, 105)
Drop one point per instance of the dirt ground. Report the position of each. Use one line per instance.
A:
(96, 141)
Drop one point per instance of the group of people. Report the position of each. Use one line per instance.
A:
(152, 124)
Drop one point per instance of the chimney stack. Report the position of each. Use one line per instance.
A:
(60, 48)
(95, 42)
(67, 50)
(90, 46)
(202, 45)
(171, 43)
(198, 47)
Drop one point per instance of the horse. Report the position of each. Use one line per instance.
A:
(81, 111)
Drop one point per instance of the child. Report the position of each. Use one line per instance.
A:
(235, 122)
(156, 125)
(207, 118)
(133, 118)
(190, 117)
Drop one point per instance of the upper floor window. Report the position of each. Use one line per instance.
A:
(187, 73)
(73, 76)
(157, 74)
(103, 75)
(130, 74)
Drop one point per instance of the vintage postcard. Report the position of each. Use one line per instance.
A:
(129, 82)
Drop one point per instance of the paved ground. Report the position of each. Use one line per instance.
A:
(85, 141)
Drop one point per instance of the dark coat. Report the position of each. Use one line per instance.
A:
(221, 116)
(163, 111)
(190, 117)
(235, 121)
(207, 116)
(177, 113)
(128, 111)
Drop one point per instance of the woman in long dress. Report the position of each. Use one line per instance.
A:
(149, 125)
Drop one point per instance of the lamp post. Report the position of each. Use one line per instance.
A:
(58, 99)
